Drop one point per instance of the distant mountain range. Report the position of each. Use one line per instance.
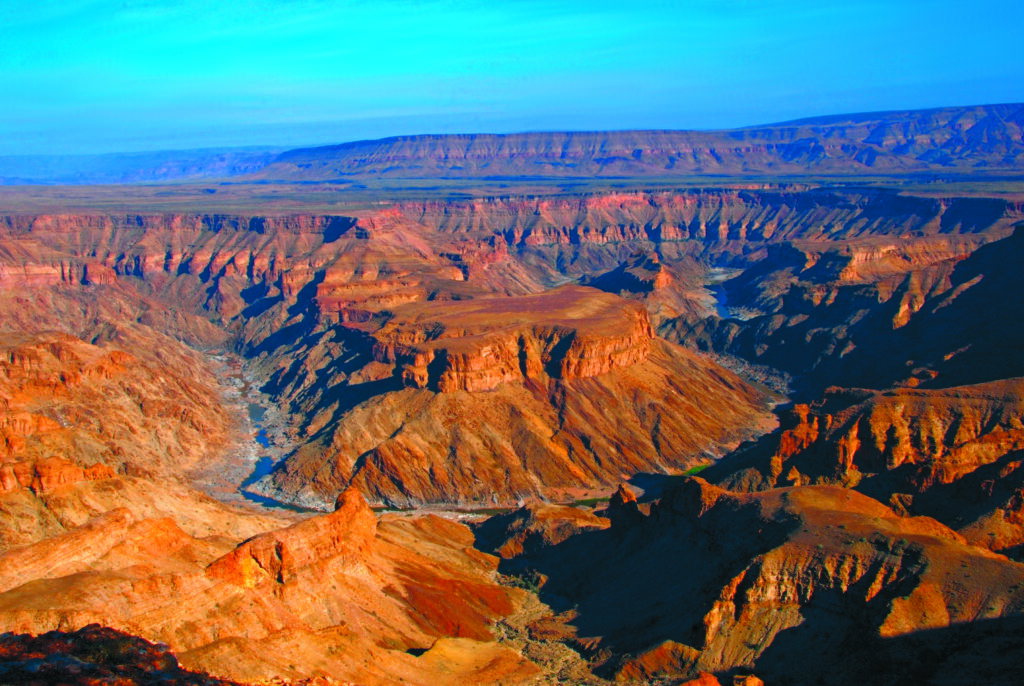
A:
(951, 140)
(964, 139)
(134, 167)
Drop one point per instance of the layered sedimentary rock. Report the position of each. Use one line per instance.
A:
(927, 437)
(950, 454)
(566, 333)
(927, 312)
(48, 475)
(534, 435)
(280, 555)
(961, 138)
(328, 307)
(62, 397)
(811, 584)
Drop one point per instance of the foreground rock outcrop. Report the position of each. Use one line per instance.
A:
(341, 594)
(93, 655)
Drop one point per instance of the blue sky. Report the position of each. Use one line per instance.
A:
(85, 76)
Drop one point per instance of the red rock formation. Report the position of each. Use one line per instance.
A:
(778, 583)
(63, 398)
(915, 312)
(48, 475)
(279, 555)
(946, 453)
(560, 438)
(567, 333)
(533, 528)
(935, 436)
(338, 594)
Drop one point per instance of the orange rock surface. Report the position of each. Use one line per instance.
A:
(935, 452)
(339, 594)
(566, 333)
(552, 437)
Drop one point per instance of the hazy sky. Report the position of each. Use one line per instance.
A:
(95, 76)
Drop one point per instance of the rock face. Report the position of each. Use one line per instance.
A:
(789, 584)
(48, 475)
(61, 396)
(934, 452)
(344, 316)
(931, 313)
(280, 555)
(533, 528)
(926, 437)
(566, 333)
(437, 353)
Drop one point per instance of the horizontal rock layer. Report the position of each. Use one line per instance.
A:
(566, 333)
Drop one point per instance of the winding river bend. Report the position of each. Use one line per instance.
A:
(258, 443)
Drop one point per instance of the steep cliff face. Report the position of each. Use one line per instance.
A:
(927, 312)
(791, 584)
(926, 437)
(716, 217)
(949, 454)
(48, 475)
(339, 312)
(566, 333)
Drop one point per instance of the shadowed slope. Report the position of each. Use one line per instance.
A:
(798, 585)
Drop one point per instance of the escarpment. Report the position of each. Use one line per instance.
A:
(927, 436)
(339, 313)
(969, 140)
(945, 453)
(48, 474)
(932, 313)
(566, 333)
(532, 435)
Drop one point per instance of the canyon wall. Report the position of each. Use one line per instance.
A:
(339, 314)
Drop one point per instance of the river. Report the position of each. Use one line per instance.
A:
(259, 441)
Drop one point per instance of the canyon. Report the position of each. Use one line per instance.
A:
(736, 432)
